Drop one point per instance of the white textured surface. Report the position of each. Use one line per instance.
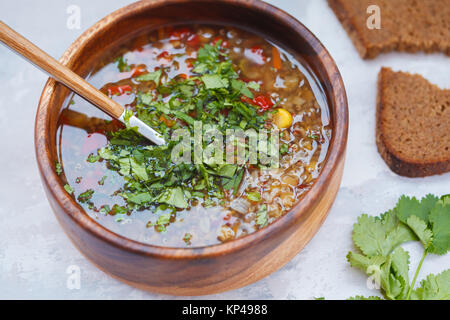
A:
(34, 251)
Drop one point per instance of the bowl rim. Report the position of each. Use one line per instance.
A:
(336, 149)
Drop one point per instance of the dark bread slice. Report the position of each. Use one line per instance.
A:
(413, 124)
(406, 25)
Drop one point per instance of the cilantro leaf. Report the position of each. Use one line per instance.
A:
(429, 219)
(138, 169)
(140, 198)
(125, 166)
(163, 219)
(434, 287)
(174, 196)
(367, 264)
(242, 88)
(365, 298)
(407, 207)
(420, 229)
(227, 170)
(152, 76)
(440, 222)
(146, 98)
(380, 235)
(399, 271)
(214, 81)
(254, 85)
(378, 239)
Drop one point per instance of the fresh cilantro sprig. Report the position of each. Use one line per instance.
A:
(381, 257)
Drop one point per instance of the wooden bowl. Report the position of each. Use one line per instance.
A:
(216, 268)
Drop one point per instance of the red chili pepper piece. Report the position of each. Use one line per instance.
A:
(163, 55)
(223, 44)
(258, 51)
(179, 34)
(138, 71)
(189, 64)
(193, 41)
(119, 90)
(263, 102)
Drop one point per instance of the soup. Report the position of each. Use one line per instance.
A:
(196, 78)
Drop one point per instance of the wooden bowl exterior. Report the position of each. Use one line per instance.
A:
(217, 268)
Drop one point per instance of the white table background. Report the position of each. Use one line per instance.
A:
(34, 251)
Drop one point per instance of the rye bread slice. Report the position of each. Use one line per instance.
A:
(406, 25)
(413, 124)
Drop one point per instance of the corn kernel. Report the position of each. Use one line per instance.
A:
(282, 118)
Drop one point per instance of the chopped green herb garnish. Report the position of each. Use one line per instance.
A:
(187, 238)
(58, 168)
(152, 178)
(116, 209)
(284, 148)
(152, 76)
(122, 65)
(262, 218)
(91, 158)
(68, 188)
(105, 210)
(101, 182)
(253, 85)
(85, 196)
(254, 196)
(313, 136)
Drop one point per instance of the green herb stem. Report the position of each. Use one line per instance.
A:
(416, 274)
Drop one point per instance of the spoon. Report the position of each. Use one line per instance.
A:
(67, 77)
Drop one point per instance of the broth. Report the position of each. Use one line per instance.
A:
(193, 205)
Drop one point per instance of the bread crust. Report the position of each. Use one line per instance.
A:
(397, 27)
(397, 163)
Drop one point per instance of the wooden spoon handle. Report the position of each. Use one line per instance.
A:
(61, 73)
